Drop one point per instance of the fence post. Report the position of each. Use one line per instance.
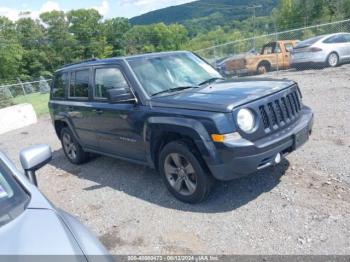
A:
(277, 44)
(215, 58)
(8, 91)
(21, 84)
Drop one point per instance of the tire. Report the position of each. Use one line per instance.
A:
(184, 172)
(71, 148)
(333, 60)
(263, 68)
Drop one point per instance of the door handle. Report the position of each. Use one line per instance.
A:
(98, 111)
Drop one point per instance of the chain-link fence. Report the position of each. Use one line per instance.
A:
(282, 50)
(16, 91)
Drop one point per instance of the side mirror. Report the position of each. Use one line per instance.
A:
(122, 94)
(34, 158)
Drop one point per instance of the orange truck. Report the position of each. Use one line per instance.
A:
(274, 55)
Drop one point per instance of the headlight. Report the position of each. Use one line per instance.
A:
(246, 120)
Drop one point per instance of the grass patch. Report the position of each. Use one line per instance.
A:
(39, 102)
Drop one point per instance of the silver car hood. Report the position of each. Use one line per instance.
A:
(42, 229)
(38, 232)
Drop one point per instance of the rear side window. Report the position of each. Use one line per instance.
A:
(347, 38)
(108, 78)
(335, 39)
(59, 85)
(79, 84)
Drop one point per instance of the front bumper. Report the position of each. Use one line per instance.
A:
(241, 160)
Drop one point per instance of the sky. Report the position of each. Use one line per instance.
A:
(107, 8)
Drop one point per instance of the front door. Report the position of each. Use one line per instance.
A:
(115, 124)
(272, 53)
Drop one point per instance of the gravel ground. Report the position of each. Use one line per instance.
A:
(300, 207)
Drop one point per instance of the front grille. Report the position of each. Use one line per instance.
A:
(280, 111)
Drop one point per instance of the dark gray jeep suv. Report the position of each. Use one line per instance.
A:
(174, 112)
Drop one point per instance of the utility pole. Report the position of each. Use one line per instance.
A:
(254, 7)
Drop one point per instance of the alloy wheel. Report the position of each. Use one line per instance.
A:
(333, 60)
(180, 174)
(69, 146)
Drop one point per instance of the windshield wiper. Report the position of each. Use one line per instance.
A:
(210, 80)
(179, 88)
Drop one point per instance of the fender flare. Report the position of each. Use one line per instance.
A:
(182, 126)
(63, 117)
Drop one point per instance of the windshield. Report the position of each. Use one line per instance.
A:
(171, 71)
(13, 198)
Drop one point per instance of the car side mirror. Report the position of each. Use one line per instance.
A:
(33, 158)
(122, 94)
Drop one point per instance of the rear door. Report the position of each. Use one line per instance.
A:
(339, 44)
(347, 54)
(79, 107)
(117, 125)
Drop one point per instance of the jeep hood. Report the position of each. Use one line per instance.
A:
(222, 96)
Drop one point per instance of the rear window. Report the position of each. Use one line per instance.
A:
(309, 42)
(13, 198)
(79, 84)
(59, 85)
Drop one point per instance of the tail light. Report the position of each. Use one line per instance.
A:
(315, 49)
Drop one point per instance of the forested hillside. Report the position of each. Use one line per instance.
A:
(225, 9)
(32, 48)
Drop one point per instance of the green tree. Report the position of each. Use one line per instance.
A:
(114, 30)
(60, 43)
(155, 38)
(31, 35)
(11, 51)
(86, 26)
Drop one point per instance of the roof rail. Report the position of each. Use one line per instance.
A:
(80, 62)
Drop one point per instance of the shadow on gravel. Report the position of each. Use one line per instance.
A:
(145, 183)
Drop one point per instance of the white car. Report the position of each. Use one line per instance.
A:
(326, 50)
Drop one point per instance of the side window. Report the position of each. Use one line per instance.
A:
(79, 84)
(340, 39)
(267, 50)
(335, 39)
(59, 85)
(108, 78)
(347, 38)
(329, 40)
